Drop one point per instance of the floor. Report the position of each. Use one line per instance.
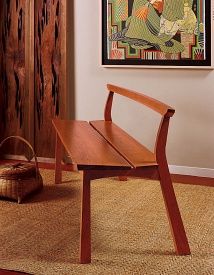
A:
(175, 178)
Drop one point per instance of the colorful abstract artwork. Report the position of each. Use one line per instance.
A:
(156, 32)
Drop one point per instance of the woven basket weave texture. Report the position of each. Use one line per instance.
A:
(20, 179)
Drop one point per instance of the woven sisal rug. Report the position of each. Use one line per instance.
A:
(130, 231)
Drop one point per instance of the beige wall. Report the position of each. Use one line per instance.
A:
(190, 92)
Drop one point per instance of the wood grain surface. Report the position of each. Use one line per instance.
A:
(49, 72)
(33, 72)
(13, 99)
(87, 149)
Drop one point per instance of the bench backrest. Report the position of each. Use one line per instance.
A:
(163, 109)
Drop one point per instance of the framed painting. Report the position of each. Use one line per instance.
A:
(157, 33)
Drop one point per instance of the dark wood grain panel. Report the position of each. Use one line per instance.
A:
(13, 96)
(49, 71)
(33, 83)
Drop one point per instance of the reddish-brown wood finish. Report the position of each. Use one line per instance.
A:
(49, 71)
(33, 59)
(58, 157)
(29, 75)
(14, 96)
(10, 272)
(176, 224)
(152, 103)
(102, 149)
(107, 111)
(86, 147)
(85, 221)
(194, 180)
(135, 153)
(122, 178)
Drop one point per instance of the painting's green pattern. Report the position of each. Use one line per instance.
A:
(156, 29)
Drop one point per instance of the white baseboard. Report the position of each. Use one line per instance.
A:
(192, 171)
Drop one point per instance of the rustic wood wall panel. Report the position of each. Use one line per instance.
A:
(33, 80)
(1, 91)
(12, 71)
(49, 71)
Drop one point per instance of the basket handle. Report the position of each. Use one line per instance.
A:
(29, 145)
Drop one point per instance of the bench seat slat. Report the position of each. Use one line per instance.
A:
(86, 147)
(134, 152)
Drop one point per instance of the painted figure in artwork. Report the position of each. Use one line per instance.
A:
(156, 23)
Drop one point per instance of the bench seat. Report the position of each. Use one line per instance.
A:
(86, 147)
(129, 148)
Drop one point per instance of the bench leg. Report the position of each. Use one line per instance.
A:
(85, 221)
(174, 216)
(58, 159)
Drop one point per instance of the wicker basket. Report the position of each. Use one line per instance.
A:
(20, 179)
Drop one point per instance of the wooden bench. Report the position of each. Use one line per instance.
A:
(102, 149)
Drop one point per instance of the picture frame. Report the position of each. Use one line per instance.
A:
(153, 34)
